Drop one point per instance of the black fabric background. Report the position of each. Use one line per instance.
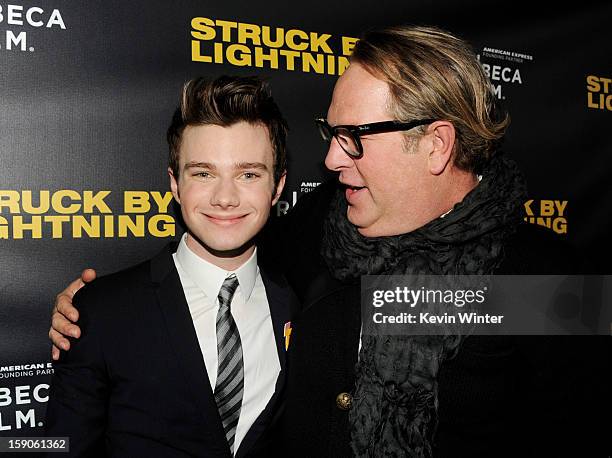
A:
(89, 107)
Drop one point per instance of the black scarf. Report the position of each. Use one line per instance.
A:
(394, 411)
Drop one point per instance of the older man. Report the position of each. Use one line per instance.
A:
(423, 189)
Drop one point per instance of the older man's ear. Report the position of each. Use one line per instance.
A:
(440, 142)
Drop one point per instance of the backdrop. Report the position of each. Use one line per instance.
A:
(87, 90)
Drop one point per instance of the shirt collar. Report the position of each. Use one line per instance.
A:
(209, 277)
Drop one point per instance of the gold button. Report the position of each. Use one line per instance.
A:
(343, 401)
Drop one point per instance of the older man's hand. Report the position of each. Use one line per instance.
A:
(65, 315)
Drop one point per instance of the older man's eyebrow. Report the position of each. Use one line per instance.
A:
(251, 165)
(200, 165)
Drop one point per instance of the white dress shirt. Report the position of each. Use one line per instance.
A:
(201, 282)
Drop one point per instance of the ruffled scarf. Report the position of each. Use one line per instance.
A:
(395, 401)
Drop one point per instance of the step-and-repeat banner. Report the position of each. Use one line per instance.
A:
(87, 90)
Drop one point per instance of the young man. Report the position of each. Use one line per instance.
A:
(196, 363)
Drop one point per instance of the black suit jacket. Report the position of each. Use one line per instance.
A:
(135, 384)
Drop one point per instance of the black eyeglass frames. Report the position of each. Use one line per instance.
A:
(348, 136)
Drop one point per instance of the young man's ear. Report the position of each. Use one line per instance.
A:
(279, 188)
(442, 146)
(174, 186)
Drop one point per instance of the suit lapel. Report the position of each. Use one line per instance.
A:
(184, 343)
(282, 302)
(279, 300)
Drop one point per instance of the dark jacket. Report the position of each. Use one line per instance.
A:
(135, 383)
(500, 396)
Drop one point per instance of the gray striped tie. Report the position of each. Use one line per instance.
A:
(230, 372)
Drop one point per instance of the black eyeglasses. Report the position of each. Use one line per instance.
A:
(348, 136)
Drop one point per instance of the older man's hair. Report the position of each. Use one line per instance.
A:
(225, 101)
(433, 74)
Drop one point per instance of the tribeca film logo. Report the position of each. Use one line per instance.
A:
(548, 213)
(505, 72)
(21, 404)
(13, 18)
(598, 92)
